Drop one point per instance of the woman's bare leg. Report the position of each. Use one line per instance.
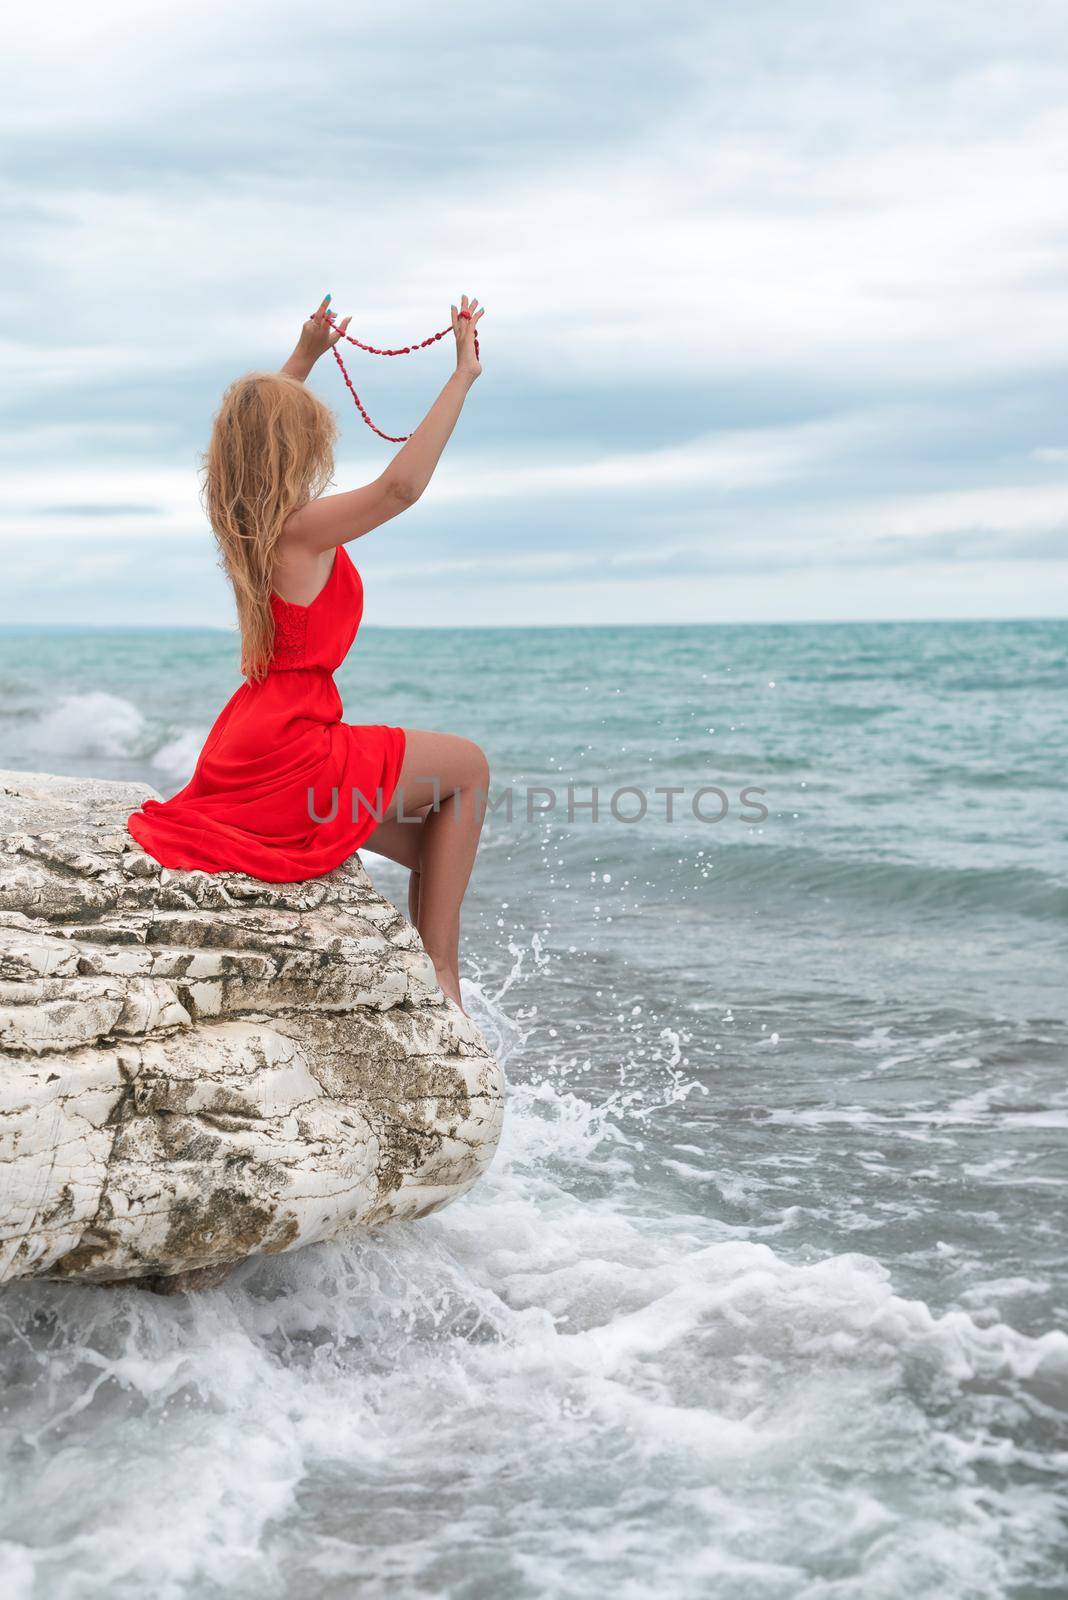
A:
(401, 842)
(442, 790)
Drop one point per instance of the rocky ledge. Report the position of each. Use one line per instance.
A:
(196, 1068)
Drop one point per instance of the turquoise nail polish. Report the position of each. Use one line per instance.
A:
(328, 297)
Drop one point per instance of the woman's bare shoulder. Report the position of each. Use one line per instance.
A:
(299, 572)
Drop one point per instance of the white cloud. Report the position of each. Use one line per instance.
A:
(727, 465)
(677, 221)
(830, 230)
(780, 593)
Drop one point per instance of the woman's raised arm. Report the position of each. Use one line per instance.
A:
(335, 519)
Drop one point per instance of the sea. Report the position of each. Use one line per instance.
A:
(765, 1294)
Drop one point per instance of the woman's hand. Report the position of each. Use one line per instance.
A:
(464, 322)
(316, 337)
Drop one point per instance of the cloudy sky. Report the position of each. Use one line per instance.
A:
(777, 297)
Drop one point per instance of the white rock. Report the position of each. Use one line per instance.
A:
(196, 1067)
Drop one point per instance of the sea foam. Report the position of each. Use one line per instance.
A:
(108, 727)
(542, 1380)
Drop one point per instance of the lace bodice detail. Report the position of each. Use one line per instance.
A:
(290, 634)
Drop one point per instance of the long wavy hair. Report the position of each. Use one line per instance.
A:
(271, 450)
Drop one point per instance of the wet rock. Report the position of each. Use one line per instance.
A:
(195, 1067)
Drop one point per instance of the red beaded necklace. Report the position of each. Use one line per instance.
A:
(405, 350)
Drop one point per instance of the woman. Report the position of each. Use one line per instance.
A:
(283, 789)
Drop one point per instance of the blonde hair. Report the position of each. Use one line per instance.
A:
(271, 450)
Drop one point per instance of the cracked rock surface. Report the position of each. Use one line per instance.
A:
(195, 1067)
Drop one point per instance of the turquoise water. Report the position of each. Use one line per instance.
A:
(765, 1294)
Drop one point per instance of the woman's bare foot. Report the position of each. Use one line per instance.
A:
(449, 983)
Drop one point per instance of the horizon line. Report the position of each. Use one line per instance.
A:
(537, 627)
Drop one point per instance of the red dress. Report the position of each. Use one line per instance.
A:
(279, 756)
